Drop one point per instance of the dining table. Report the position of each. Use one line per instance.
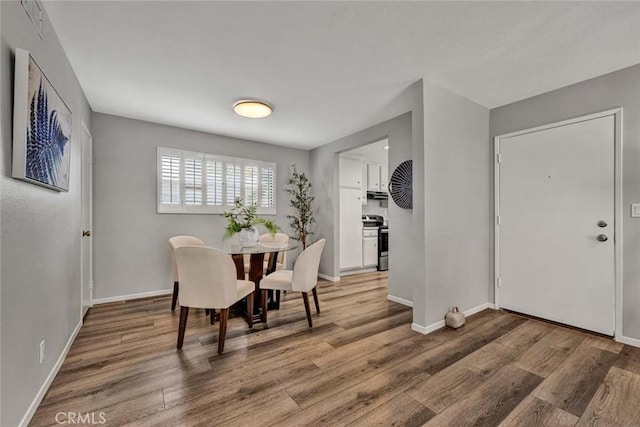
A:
(256, 271)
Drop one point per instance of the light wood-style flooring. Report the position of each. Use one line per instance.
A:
(360, 365)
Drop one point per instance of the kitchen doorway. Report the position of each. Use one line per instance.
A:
(363, 188)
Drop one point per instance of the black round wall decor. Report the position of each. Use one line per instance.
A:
(401, 185)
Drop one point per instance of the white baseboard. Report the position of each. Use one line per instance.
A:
(437, 325)
(630, 341)
(358, 271)
(133, 296)
(329, 278)
(54, 371)
(424, 330)
(479, 308)
(400, 300)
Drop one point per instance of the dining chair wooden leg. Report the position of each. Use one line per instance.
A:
(264, 306)
(224, 315)
(315, 299)
(250, 310)
(184, 313)
(212, 313)
(305, 298)
(174, 299)
(278, 300)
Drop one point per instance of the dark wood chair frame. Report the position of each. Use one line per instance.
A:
(305, 299)
(224, 317)
(174, 302)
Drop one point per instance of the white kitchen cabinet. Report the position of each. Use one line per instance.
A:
(373, 177)
(350, 228)
(350, 172)
(370, 251)
(364, 183)
(384, 179)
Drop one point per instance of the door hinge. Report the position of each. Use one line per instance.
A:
(498, 219)
(499, 157)
(498, 282)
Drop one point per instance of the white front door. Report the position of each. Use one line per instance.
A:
(555, 236)
(87, 239)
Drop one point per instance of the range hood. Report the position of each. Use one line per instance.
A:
(377, 195)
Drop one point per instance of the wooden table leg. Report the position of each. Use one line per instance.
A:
(256, 271)
(273, 296)
(238, 260)
(273, 262)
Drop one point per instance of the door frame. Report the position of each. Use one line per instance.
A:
(85, 129)
(618, 208)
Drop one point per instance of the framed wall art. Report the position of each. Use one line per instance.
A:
(41, 128)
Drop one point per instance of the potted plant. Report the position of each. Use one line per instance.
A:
(243, 219)
(299, 187)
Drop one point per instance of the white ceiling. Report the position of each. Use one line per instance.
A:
(329, 68)
(373, 153)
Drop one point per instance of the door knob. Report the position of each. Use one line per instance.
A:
(602, 238)
(602, 224)
(86, 233)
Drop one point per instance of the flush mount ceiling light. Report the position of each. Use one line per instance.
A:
(252, 109)
(386, 147)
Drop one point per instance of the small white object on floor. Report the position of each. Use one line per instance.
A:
(454, 319)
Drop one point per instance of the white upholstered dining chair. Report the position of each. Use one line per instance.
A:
(208, 280)
(303, 278)
(176, 242)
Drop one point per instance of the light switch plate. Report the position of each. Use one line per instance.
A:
(635, 210)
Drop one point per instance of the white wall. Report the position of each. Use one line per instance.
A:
(618, 89)
(375, 207)
(131, 249)
(457, 172)
(39, 231)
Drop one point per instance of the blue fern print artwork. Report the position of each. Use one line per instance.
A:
(48, 133)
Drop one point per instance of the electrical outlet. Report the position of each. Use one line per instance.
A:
(41, 356)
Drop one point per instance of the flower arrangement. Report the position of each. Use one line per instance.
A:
(242, 217)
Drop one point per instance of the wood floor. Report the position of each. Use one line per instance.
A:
(360, 365)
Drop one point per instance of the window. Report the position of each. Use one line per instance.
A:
(191, 182)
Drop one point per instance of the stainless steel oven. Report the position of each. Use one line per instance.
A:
(383, 239)
(383, 248)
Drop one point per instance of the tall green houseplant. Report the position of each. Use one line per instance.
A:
(301, 221)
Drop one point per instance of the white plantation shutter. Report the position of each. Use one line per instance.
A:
(193, 179)
(268, 187)
(169, 170)
(233, 180)
(215, 180)
(191, 182)
(250, 183)
(171, 180)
